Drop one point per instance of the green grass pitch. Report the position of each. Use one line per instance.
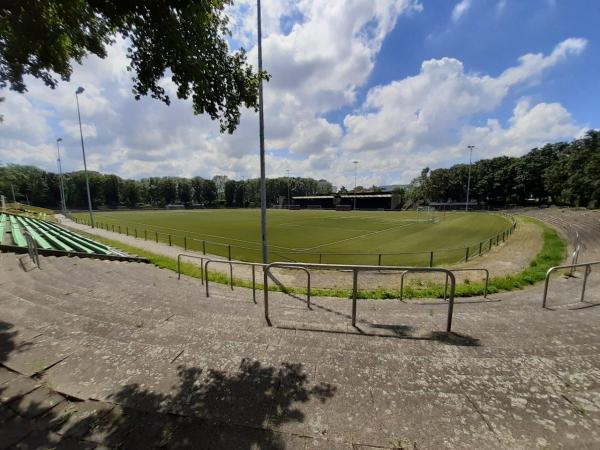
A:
(352, 237)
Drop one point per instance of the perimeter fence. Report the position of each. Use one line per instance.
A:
(429, 258)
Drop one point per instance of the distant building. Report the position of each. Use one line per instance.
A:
(364, 200)
(473, 205)
(391, 187)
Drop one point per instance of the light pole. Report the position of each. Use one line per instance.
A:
(355, 169)
(61, 186)
(470, 147)
(263, 181)
(243, 192)
(288, 180)
(87, 180)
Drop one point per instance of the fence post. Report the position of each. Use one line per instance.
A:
(379, 260)
(503, 235)
(135, 230)
(145, 235)
(204, 247)
(229, 252)
(119, 229)
(354, 289)
(490, 245)
(156, 236)
(467, 255)
(588, 270)
(480, 245)
(253, 283)
(430, 259)
(185, 242)
(320, 258)
(169, 240)
(127, 231)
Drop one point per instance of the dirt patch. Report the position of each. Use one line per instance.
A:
(515, 254)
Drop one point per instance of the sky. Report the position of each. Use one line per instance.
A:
(397, 85)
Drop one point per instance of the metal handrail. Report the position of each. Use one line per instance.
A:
(32, 248)
(254, 266)
(576, 252)
(474, 269)
(305, 270)
(588, 270)
(355, 270)
(231, 264)
(201, 258)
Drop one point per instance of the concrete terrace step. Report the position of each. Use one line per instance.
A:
(297, 314)
(515, 372)
(300, 314)
(112, 366)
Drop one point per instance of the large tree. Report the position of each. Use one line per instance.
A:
(183, 38)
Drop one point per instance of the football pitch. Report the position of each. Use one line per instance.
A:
(342, 237)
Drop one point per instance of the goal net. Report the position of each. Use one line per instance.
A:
(426, 214)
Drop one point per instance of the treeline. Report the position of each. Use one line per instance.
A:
(38, 187)
(563, 174)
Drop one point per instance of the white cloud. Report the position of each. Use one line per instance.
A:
(428, 115)
(528, 127)
(320, 53)
(533, 64)
(460, 9)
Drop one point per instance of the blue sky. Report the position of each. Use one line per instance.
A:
(395, 84)
(488, 39)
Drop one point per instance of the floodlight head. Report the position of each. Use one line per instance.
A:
(79, 90)
(59, 140)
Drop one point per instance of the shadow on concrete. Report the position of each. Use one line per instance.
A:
(206, 409)
(396, 332)
(583, 305)
(284, 289)
(7, 341)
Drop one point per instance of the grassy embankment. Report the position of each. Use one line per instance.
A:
(551, 254)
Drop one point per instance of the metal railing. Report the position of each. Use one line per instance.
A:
(474, 269)
(240, 252)
(206, 261)
(32, 249)
(587, 271)
(355, 270)
(201, 258)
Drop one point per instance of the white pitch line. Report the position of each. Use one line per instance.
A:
(200, 234)
(356, 237)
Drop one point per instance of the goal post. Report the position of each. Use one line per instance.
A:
(426, 214)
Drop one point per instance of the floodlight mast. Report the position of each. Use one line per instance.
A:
(261, 129)
(355, 169)
(288, 183)
(61, 186)
(470, 147)
(87, 180)
(263, 181)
